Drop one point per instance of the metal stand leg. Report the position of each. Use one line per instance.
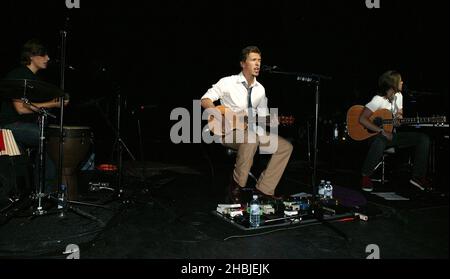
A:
(41, 177)
(381, 164)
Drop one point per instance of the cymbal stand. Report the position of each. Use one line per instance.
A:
(43, 114)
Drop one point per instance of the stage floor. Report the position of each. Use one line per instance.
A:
(168, 215)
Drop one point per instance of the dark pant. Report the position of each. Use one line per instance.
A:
(420, 143)
(27, 136)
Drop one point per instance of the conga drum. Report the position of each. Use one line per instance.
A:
(76, 144)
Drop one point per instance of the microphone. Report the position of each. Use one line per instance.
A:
(420, 93)
(412, 93)
(300, 76)
(304, 78)
(269, 69)
(57, 61)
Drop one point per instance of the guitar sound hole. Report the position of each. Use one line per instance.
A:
(378, 121)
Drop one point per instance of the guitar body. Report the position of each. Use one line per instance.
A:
(230, 121)
(357, 131)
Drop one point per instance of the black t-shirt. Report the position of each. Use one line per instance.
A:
(21, 72)
(8, 113)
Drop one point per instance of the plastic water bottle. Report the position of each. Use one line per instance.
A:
(255, 212)
(321, 189)
(62, 201)
(336, 132)
(328, 192)
(90, 163)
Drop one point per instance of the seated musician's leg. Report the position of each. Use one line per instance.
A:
(373, 157)
(27, 136)
(421, 144)
(246, 146)
(271, 176)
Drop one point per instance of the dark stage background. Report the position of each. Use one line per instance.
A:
(163, 54)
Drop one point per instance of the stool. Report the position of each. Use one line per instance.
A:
(382, 164)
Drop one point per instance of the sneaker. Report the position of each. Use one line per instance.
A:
(366, 184)
(422, 183)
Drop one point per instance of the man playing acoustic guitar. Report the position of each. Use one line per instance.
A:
(239, 93)
(390, 85)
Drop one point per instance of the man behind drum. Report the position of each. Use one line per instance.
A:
(20, 118)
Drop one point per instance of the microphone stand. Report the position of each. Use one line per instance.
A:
(315, 79)
(119, 143)
(63, 34)
(60, 167)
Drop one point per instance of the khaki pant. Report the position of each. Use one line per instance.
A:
(246, 143)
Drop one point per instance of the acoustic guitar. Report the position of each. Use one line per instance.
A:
(230, 121)
(382, 118)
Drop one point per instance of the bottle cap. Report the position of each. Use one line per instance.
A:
(255, 197)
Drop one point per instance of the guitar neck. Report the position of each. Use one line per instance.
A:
(414, 120)
(259, 118)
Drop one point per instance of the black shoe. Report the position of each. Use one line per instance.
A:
(265, 196)
(234, 192)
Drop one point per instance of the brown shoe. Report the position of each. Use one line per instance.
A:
(263, 195)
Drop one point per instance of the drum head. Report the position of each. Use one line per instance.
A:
(69, 131)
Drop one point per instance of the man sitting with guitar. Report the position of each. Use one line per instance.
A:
(239, 93)
(390, 84)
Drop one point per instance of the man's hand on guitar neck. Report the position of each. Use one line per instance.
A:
(396, 120)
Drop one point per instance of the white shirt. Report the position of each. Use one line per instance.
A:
(379, 102)
(234, 94)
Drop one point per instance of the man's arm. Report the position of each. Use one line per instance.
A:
(364, 120)
(23, 108)
(207, 103)
(210, 108)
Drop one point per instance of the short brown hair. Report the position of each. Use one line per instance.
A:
(31, 48)
(388, 80)
(247, 50)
